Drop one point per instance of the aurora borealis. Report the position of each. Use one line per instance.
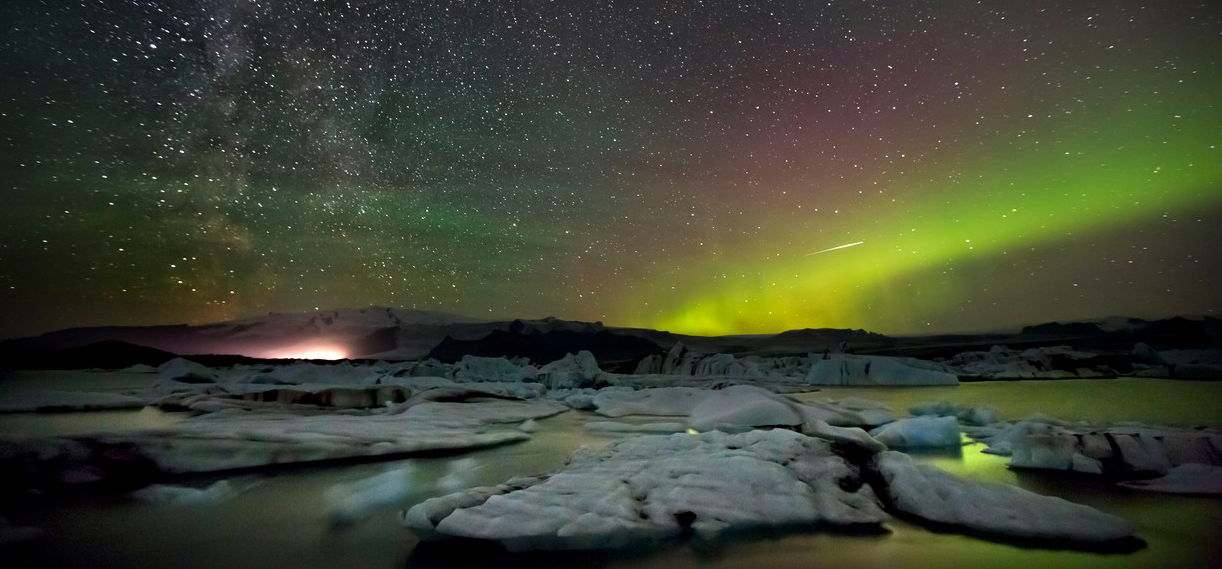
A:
(662, 164)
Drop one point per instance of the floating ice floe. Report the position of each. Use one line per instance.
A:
(236, 438)
(53, 400)
(848, 412)
(658, 401)
(476, 368)
(736, 407)
(997, 509)
(1187, 478)
(972, 415)
(349, 502)
(617, 427)
(572, 371)
(1180, 364)
(743, 407)
(653, 488)
(849, 369)
(1055, 362)
(11, 534)
(582, 398)
(919, 432)
(185, 495)
(1121, 450)
(656, 487)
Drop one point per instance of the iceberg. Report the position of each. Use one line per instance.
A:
(241, 438)
(659, 401)
(656, 488)
(919, 432)
(977, 416)
(1187, 478)
(572, 371)
(1120, 450)
(994, 509)
(743, 407)
(54, 400)
(477, 369)
(350, 502)
(185, 495)
(617, 427)
(848, 369)
(651, 488)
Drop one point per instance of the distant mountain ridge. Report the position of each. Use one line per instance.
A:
(398, 334)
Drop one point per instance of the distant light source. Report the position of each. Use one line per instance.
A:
(311, 353)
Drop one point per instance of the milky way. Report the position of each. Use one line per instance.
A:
(651, 163)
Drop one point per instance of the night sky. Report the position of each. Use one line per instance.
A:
(678, 165)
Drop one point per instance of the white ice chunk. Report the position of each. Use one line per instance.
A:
(849, 369)
(53, 400)
(919, 432)
(476, 368)
(741, 407)
(935, 495)
(652, 487)
(352, 501)
(571, 371)
(616, 427)
(1183, 479)
(185, 371)
(979, 415)
(13, 534)
(459, 474)
(660, 401)
(185, 495)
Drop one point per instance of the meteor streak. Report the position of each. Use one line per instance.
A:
(836, 247)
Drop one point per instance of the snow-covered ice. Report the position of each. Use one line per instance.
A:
(1189, 478)
(651, 488)
(243, 438)
(54, 400)
(743, 407)
(14, 534)
(937, 496)
(572, 371)
(972, 415)
(659, 401)
(349, 502)
(919, 432)
(654, 487)
(617, 427)
(185, 495)
(1122, 449)
(848, 412)
(849, 369)
(1054, 362)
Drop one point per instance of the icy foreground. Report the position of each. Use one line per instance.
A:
(1121, 450)
(1188, 478)
(242, 439)
(53, 400)
(919, 432)
(997, 509)
(653, 488)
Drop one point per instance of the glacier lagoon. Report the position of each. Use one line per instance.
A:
(281, 517)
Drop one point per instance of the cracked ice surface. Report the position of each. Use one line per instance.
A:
(654, 487)
(240, 439)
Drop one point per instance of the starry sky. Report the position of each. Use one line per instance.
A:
(681, 165)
